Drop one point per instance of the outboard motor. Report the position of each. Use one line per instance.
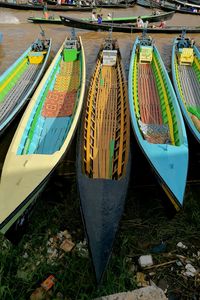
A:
(38, 46)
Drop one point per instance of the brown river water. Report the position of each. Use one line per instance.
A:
(18, 34)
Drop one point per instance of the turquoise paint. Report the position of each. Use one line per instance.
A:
(170, 162)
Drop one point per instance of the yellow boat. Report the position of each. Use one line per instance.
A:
(44, 133)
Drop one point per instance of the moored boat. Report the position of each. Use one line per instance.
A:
(168, 6)
(98, 4)
(119, 20)
(103, 154)
(33, 6)
(19, 81)
(77, 23)
(44, 133)
(156, 119)
(186, 79)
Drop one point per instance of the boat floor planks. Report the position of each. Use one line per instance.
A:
(105, 122)
(19, 90)
(190, 85)
(149, 101)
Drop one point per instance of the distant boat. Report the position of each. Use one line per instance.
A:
(98, 4)
(1, 37)
(186, 79)
(156, 119)
(19, 81)
(44, 133)
(103, 154)
(149, 18)
(187, 4)
(77, 23)
(168, 6)
(33, 6)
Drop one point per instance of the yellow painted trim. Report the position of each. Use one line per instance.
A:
(13, 75)
(91, 93)
(119, 169)
(135, 88)
(169, 117)
(197, 62)
(170, 197)
(178, 82)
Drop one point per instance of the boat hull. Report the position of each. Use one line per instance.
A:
(45, 132)
(41, 7)
(11, 106)
(187, 89)
(150, 18)
(169, 162)
(76, 23)
(103, 155)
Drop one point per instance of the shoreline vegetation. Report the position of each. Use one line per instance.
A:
(147, 224)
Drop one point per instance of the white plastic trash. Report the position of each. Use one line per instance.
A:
(145, 261)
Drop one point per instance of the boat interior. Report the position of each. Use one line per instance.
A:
(187, 66)
(153, 103)
(106, 121)
(16, 82)
(52, 114)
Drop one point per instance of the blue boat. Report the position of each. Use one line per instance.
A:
(19, 81)
(156, 119)
(186, 79)
(1, 37)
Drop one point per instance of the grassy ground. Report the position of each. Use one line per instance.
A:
(146, 222)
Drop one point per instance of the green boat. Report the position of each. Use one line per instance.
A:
(150, 18)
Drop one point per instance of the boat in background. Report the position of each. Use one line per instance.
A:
(35, 6)
(119, 20)
(44, 133)
(78, 23)
(19, 81)
(99, 4)
(156, 119)
(168, 6)
(103, 154)
(192, 6)
(186, 79)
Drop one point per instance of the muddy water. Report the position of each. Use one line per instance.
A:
(18, 34)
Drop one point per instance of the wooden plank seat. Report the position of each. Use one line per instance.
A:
(154, 131)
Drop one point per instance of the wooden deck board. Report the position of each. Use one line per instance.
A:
(105, 121)
(190, 85)
(149, 101)
(18, 92)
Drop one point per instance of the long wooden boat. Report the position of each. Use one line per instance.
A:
(156, 119)
(29, 6)
(187, 4)
(149, 18)
(167, 6)
(19, 81)
(103, 158)
(186, 79)
(99, 4)
(44, 133)
(77, 23)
